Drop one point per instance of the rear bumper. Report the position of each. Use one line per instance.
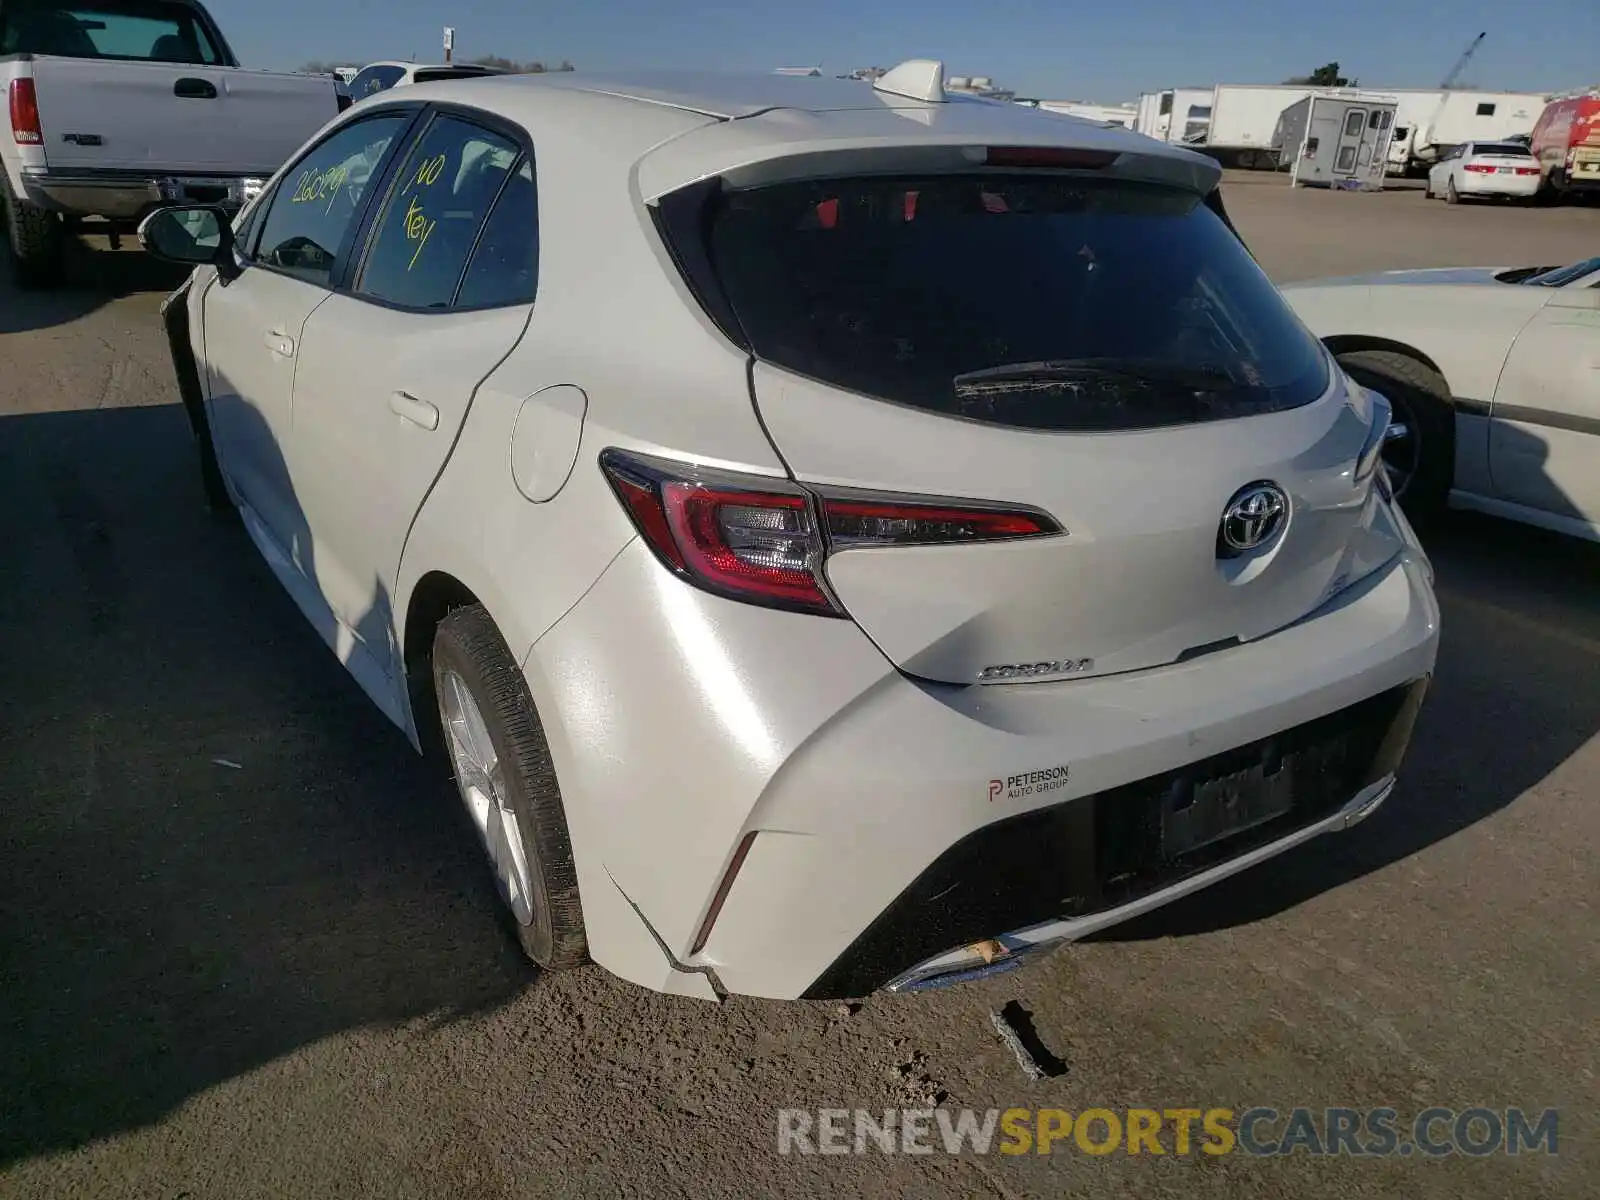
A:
(692, 733)
(1497, 185)
(1063, 873)
(129, 195)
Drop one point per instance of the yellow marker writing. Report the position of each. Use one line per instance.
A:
(418, 228)
(428, 173)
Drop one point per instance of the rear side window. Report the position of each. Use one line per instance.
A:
(1044, 301)
(505, 265)
(138, 30)
(431, 221)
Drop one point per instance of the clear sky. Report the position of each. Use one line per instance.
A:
(1053, 49)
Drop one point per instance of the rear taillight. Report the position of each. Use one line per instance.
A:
(25, 127)
(1527, 170)
(765, 540)
(1479, 169)
(746, 537)
(854, 522)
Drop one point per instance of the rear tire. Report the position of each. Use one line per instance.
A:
(35, 241)
(513, 799)
(1451, 196)
(1421, 400)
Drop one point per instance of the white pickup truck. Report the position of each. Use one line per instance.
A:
(119, 106)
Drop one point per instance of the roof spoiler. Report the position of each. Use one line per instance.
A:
(915, 79)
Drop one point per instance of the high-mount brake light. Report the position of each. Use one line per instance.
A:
(25, 127)
(1058, 157)
(765, 540)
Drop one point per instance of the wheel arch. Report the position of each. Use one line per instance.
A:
(436, 595)
(1347, 343)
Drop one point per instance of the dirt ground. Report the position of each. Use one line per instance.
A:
(246, 950)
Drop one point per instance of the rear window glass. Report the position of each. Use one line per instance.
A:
(148, 30)
(372, 80)
(435, 74)
(1046, 302)
(1510, 148)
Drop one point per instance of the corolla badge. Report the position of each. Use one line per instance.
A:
(1036, 670)
(1253, 518)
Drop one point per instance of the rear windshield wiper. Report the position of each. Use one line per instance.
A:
(1024, 376)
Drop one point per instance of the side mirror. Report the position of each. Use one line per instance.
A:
(195, 235)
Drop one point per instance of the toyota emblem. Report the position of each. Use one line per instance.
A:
(1253, 518)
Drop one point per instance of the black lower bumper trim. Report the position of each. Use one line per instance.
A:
(1098, 852)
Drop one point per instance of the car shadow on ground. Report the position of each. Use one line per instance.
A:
(215, 849)
(1513, 697)
(95, 275)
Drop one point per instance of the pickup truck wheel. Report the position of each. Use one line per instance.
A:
(1421, 464)
(35, 242)
(501, 761)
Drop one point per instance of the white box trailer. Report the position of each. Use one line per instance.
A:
(1337, 141)
(1244, 117)
(1102, 114)
(1178, 115)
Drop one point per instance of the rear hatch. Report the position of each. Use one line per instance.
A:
(1101, 349)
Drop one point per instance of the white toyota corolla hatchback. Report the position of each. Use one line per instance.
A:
(840, 536)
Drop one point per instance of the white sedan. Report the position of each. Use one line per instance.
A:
(1494, 373)
(795, 619)
(1484, 170)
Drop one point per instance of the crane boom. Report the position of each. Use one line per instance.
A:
(1461, 63)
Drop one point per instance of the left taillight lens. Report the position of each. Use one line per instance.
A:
(765, 541)
(25, 127)
(748, 538)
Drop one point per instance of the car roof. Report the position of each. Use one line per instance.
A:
(732, 120)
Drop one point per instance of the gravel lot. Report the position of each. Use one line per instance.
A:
(285, 980)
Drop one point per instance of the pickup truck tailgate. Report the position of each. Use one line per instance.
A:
(175, 118)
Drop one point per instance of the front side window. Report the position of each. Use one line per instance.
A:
(1042, 302)
(314, 206)
(138, 30)
(431, 220)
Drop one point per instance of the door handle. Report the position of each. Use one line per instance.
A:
(195, 89)
(418, 412)
(280, 343)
